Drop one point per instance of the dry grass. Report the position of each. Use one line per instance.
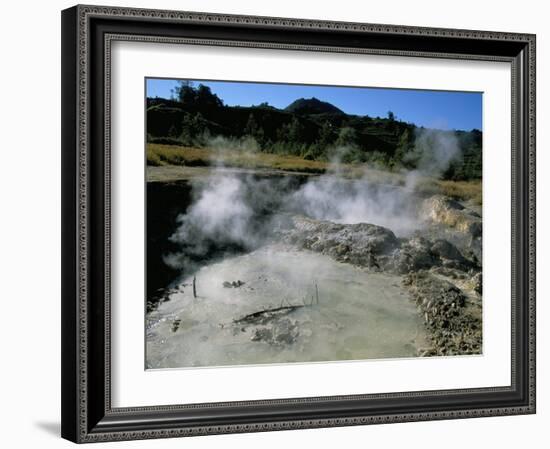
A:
(171, 155)
(165, 155)
(158, 155)
(458, 190)
(462, 190)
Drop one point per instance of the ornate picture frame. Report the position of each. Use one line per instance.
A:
(88, 33)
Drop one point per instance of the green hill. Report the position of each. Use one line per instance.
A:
(308, 128)
(312, 106)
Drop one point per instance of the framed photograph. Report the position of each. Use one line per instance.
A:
(275, 224)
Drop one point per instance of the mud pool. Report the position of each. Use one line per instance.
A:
(326, 311)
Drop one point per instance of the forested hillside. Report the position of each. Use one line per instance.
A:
(311, 129)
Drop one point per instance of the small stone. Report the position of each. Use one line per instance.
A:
(262, 334)
(175, 325)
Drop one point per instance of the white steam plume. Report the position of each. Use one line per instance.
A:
(358, 201)
(434, 151)
(237, 210)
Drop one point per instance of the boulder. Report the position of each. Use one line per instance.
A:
(359, 244)
(413, 255)
(450, 256)
(374, 247)
(443, 210)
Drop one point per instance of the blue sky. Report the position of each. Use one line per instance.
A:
(433, 109)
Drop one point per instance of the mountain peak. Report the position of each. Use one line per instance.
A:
(312, 106)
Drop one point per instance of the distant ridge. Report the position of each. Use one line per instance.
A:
(312, 106)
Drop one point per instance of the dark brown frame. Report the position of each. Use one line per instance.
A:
(87, 32)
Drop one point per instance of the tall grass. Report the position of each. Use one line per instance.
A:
(162, 155)
(158, 155)
(462, 190)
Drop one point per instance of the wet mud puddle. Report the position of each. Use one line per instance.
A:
(281, 305)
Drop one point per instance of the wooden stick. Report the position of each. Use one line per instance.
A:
(316, 293)
(261, 314)
(194, 286)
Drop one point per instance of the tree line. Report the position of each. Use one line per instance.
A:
(308, 128)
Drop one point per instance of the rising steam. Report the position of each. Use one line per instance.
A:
(239, 211)
(357, 201)
(434, 151)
